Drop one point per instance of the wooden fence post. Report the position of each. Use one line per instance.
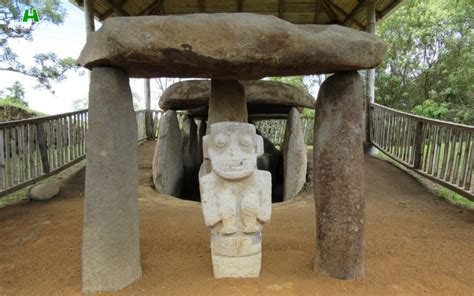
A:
(149, 126)
(43, 147)
(418, 145)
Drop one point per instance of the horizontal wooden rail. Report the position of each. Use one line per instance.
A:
(33, 149)
(438, 150)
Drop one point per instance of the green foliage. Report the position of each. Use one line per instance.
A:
(292, 80)
(429, 58)
(16, 94)
(430, 108)
(48, 67)
(308, 112)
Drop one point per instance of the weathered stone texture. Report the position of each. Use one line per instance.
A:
(191, 94)
(339, 177)
(227, 102)
(43, 191)
(191, 161)
(110, 250)
(228, 46)
(236, 199)
(201, 133)
(295, 157)
(167, 166)
(190, 146)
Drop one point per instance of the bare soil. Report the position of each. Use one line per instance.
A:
(416, 244)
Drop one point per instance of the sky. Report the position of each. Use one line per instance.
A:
(65, 40)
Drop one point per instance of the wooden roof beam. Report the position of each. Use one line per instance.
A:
(111, 11)
(390, 8)
(344, 13)
(202, 6)
(317, 10)
(281, 4)
(350, 18)
(153, 8)
(117, 8)
(329, 10)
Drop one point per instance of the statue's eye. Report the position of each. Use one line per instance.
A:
(245, 141)
(221, 140)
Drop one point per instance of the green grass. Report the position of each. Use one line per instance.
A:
(7, 102)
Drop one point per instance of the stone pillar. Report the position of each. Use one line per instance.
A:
(201, 133)
(227, 102)
(236, 199)
(190, 158)
(295, 157)
(339, 177)
(110, 249)
(190, 145)
(167, 166)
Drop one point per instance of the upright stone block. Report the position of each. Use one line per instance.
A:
(190, 146)
(201, 133)
(227, 102)
(236, 199)
(110, 250)
(295, 157)
(167, 166)
(339, 177)
(190, 159)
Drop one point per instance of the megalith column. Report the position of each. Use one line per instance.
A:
(339, 177)
(167, 166)
(110, 249)
(227, 102)
(190, 146)
(295, 157)
(201, 133)
(190, 159)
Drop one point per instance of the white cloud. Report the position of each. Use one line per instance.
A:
(65, 40)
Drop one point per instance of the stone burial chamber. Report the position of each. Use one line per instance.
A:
(264, 100)
(226, 48)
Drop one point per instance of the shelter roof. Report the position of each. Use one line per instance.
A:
(350, 13)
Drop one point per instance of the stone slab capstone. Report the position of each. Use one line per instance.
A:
(227, 46)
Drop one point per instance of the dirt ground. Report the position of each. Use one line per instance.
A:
(416, 244)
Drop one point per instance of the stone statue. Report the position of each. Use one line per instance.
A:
(236, 198)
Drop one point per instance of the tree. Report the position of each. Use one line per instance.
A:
(48, 67)
(429, 62)
(15, 95)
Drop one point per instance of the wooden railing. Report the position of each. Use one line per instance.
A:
(148, 122)
(438, 150)
(274, 129)
(33, 149)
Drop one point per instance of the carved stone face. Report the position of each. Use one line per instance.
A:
(233, 148)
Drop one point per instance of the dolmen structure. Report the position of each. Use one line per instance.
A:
(265, 100)
(226, 48)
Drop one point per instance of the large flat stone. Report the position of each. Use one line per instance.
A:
(270, 95)
(227, 46)
(111, 247)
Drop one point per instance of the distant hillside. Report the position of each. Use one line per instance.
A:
(9, 112)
